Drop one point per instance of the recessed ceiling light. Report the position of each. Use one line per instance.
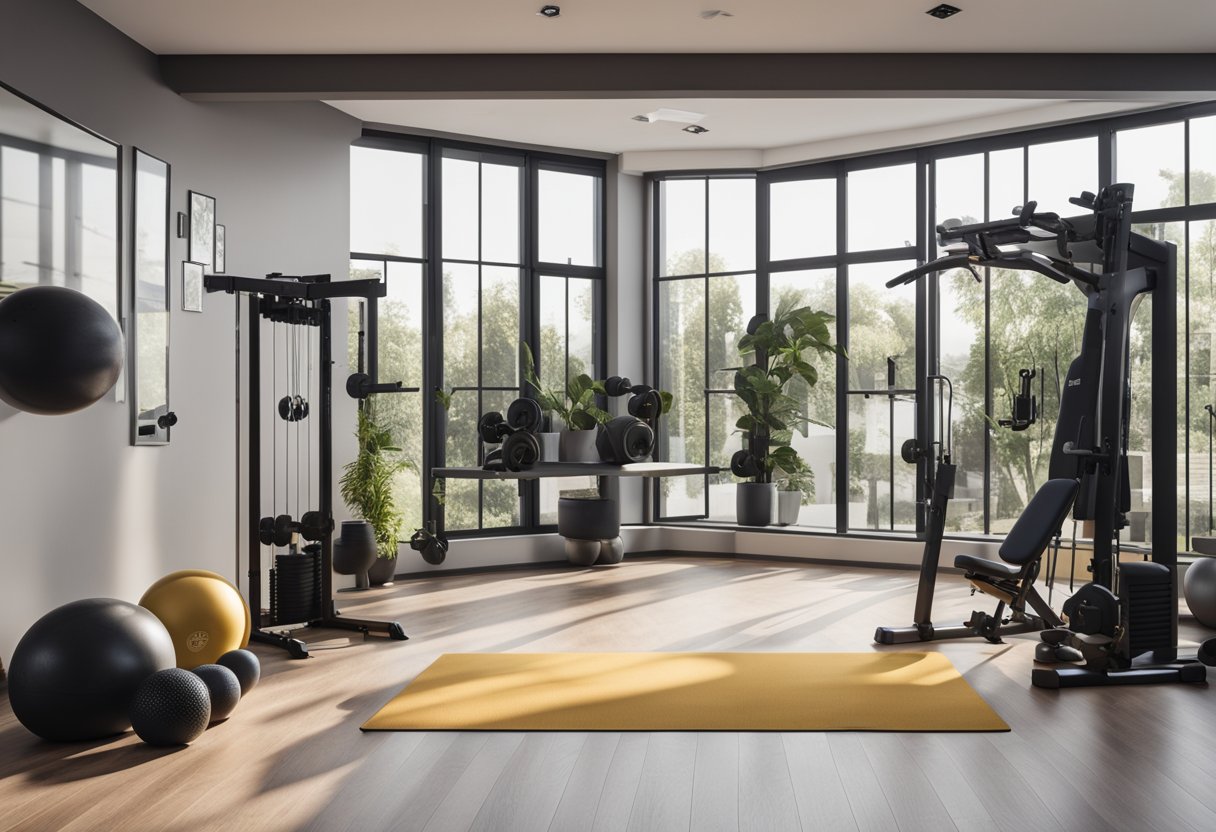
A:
(669, 114)
(943, 11)
(710, 14)
(550, 11)
(695, 129)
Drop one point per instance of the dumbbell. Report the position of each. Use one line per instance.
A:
(313, 526)
(625, 439)
(293, 408)
(743, 464)
(276, 531)
(646, 403)
(434, 549)
(517, 432)
(616, 386)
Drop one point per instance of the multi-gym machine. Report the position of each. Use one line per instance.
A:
(302, 305)
(1124, 624)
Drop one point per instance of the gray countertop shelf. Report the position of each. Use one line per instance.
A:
(579, 469)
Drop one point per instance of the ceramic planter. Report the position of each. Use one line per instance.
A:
(382, 571)
(789, 503)
(755, 503)
(579, 446)
(550, 447)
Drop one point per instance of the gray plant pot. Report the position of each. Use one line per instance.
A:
(755, 503)
(550, 447)
(789, 503)
(579, 446)
(382, 571)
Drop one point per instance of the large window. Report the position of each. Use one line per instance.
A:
(831, 235)
(483, 250)
(706, 272)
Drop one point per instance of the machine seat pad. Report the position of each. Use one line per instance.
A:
(983, 566)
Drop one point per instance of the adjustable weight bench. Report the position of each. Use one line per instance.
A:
(1011, 579)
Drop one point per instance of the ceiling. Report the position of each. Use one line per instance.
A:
(454, 26)
(733, 123)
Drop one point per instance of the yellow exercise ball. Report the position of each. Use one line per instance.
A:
(203, 612)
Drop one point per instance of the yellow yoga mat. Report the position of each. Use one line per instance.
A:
(688, 692)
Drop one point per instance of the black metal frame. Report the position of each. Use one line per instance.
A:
(530, 268)
(927, 348)
(267, 296)
(163, 435)
(100, 161)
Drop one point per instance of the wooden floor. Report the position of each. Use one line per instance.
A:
(292, 756)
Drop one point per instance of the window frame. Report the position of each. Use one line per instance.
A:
(530, 269)
(928, 313)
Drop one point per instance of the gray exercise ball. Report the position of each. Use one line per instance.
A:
(60, 350)
(222, 686)
(245, 664)
(1199, 587)
(76, 670)
(171, 707)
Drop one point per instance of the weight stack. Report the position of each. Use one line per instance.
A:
(1149, 605)
(295, 588)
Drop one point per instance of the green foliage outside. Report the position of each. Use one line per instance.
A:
(400, 354)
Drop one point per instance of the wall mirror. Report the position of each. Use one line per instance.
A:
(60, 203)
(151, 419)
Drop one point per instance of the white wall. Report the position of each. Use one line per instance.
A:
(82, 513)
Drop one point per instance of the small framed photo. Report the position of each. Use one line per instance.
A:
(192, 286)
(202, 228)
(218, 265)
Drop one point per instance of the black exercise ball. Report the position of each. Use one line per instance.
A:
(245, 664)
(223, 688)
(60, 350)
(75, 671)
(171, 707)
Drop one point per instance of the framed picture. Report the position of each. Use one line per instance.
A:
(192, 286)
(202, 229)
(218, 265)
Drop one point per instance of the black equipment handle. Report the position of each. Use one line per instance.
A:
(1025, 405)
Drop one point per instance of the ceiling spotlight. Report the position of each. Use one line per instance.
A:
(669, 114)
(550, 11)
(710, 14)
(943, 11)
(695, 129)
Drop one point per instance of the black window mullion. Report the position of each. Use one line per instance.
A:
(705, 335)
(842, 370)
(988, 363)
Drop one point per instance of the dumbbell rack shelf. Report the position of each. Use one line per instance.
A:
(603, 471)
(578, 469)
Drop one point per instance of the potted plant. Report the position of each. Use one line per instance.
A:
(575, 407)
(782, 350)
(367, 489)
(792, 488)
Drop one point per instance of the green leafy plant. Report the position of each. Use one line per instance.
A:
(782, 349)
(367, 482)
(575, 405)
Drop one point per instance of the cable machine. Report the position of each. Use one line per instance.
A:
(302, 304)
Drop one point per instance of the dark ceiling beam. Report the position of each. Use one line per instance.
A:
(1163, 77)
